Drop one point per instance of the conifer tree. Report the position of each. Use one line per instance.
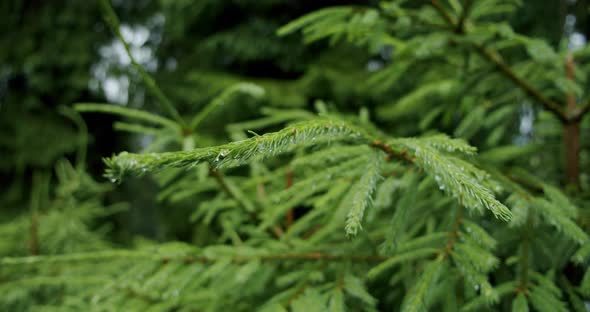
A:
(419, 197)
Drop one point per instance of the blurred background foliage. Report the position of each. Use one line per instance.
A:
(56, 53)
(61, 52)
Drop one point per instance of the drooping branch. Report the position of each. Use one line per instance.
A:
(531, 91)
(113, 22)
(503, 68)
(455, 176)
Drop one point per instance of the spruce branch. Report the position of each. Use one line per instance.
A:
(478, 234)
(363, 194)
(495, 59)
(462, 180)
(304, 188)
(399, 220)
(239, 152)
(415, 299)
(555, 216)
(544, 300)
(530, 90)
(470, 254)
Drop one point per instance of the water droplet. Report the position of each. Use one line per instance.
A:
(222, 155)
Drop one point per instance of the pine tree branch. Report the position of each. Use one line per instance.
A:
(415, 300)
(549, 104)
(467, 183)
(363, 194)
(113, 22)
(238, 152)
(492, 57)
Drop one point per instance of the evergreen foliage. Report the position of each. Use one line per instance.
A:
(358, 201)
